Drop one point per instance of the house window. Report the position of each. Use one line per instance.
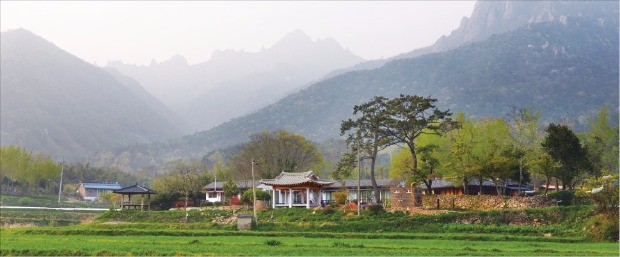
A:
(408, 191)
(396, 191)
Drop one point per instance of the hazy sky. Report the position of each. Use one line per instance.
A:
(137, 32)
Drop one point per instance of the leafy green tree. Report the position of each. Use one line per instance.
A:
(492, 152)
(564, 147)
(344, 168)
(274, 152)
(34, 173)
(183, 177)
(411, 116)
(428, 166)
(248, 197)
(458, 158)
(368, 133)
(544, 166)
(601, 142)
(526, 138)
(230, 189)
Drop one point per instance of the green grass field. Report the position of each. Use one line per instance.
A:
(46, 201)
(300, 232)
(27, 241)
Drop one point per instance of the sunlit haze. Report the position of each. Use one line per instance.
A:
(138, 32)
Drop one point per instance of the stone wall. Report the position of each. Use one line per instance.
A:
(485, 202)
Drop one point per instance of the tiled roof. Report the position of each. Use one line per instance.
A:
(135, 189)
(442, 183)
(108, 186)
(291, 179)
(364, 183)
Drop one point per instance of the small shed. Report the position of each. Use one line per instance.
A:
(135, 190)
(92, 190)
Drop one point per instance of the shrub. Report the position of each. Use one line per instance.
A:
(328, 210)
(235, 201)
(25, 201)
(376, 208)
(247, 197)
(273, 242)
(340, 197)
(582, 198)
(602, 227)
(564, 197)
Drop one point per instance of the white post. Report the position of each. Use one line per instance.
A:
(307, 197)
(273, 199)
(290, 198)
(254, 194)
(62, 169)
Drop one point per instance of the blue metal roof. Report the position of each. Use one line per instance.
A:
(107, 186)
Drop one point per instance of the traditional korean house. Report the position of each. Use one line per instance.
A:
(366, 190)
(92, 190)
(301, 189)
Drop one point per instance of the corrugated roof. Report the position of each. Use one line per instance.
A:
(135, 189)
(291, 179)
(107, 186)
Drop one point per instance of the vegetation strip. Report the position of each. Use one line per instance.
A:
(192, 233)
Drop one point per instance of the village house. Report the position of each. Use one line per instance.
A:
(444, 187)
(214, 191)
(92, 190)
(366, 190)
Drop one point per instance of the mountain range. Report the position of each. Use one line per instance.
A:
(233, 83)
(55, 103)
(559, 61)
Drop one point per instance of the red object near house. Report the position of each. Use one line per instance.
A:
(235, 201)
(182, 203)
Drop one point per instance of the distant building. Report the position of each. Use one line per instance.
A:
(366, 190)
(91, 190)
(214, 191)
(444, 187)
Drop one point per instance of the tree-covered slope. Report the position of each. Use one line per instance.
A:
(566, 70)
(55, 103)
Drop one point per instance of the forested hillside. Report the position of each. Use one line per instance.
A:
(567, 70)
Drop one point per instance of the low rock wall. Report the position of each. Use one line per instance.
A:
(485, 202)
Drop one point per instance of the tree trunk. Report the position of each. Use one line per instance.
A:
(557, 185)
(465, 188)
(429, 186)
(548, 182)
(414, 157)
(480, 185)
(186, 199)
(373, 160)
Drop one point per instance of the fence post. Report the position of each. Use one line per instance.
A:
(438, 203)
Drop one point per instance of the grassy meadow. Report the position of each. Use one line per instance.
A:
(558, 231)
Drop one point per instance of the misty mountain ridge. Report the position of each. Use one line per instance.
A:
(495, 17)
(233, 83)
(566, 69)
(55, 103)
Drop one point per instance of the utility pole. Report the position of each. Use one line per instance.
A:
(62, 169)
(359, 182)
(520, 173)
(254, 194)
